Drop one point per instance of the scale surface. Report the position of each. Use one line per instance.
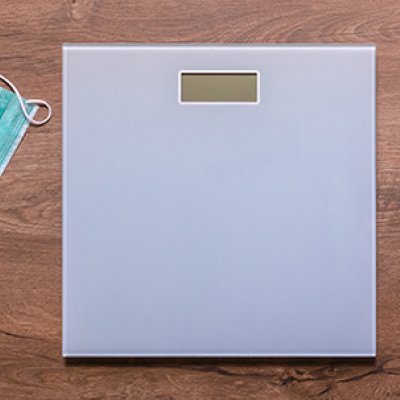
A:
(218, 201)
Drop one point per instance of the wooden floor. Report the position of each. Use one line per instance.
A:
(31, 34)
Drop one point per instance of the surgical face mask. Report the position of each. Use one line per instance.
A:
(16, 114)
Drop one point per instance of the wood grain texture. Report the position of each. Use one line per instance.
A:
(31, 34)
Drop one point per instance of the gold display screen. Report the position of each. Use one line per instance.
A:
(214, 87)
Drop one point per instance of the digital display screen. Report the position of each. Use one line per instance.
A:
(223, 87)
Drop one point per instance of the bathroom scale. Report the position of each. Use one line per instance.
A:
(218, 201)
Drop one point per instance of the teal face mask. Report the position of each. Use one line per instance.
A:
(16, 114)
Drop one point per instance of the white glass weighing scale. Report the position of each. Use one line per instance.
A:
(218, 201)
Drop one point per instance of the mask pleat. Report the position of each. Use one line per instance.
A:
(5, 97)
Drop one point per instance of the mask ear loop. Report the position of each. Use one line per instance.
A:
(39, 102)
